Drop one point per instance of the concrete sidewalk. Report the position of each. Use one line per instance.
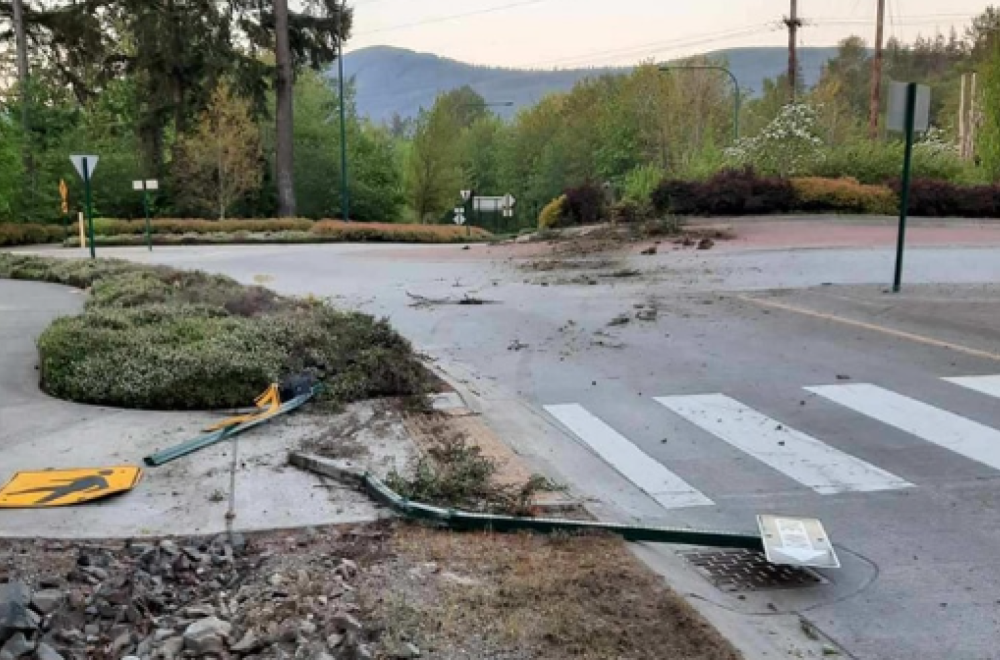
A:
(187, 497)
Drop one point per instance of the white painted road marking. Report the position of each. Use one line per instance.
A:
(658, 482)
(958, 434)
(803, 458)
(984, 384)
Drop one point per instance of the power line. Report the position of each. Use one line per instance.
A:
(656, 46)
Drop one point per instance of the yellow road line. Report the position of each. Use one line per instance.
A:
(921, 339)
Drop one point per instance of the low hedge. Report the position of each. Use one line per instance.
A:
(845, 195)
(198, 232)
(942, 199)
(159, 338)
(12, 234)
(741, 192)
(729, 192)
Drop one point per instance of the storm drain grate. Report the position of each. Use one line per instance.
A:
(749, 570)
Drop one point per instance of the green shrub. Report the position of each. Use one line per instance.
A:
(877, 163)
(639, 184)
(160, 338)
(554, 214)
(843, 196)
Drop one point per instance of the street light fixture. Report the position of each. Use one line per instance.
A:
(736, 87)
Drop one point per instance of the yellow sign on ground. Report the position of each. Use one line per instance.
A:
(29, 490)
(269, 403)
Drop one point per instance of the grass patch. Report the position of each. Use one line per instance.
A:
(159, 338)
(524, 596)
(452, 472)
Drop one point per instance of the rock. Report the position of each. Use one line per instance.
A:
(276, 580)
(334, 640)
(168, 547)
(346, 622)
(171, 648)
(47, 601)
(406, 651)
(248, 644)
(91, 630)
(198, 611)
(649, 251)
(348, 569)
(17, 646)
(46, 652)
(131, 657)
(14, 613)
(646, 315)
(207, 635)
(706, 244)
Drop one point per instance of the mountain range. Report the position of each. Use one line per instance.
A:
(393, 81)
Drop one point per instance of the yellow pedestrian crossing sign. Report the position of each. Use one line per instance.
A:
(50, 488)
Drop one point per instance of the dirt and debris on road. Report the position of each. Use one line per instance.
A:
(385, 590)
(467, 299)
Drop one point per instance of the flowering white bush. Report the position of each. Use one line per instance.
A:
(789, 146)
(935, 143)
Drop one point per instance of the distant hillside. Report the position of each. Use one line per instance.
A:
(395, 80)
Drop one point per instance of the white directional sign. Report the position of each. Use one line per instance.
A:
(91, 165)
(459, 216)
(797, 542)
(509, 201)
(150, 184)
(466, 194)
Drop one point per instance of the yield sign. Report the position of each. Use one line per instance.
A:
(797, 542)
(91, 165)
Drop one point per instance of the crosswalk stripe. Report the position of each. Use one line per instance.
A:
(940, 427)
(984, 384)
(803, 458)
(668, 489)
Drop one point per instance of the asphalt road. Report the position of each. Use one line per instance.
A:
(900, 464)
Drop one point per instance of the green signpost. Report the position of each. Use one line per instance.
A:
(145, 186)
(85, 166)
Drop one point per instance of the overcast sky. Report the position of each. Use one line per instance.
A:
(570, 33)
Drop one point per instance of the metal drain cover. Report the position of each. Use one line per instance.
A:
(749, 570)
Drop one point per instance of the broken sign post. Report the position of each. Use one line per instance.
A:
(797, 542)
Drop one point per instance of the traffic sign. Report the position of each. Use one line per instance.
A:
(797, 542)
(148, 184)
(509, 201)
(64, 195)
(91, 165)
(466, 194)
(459, 216)
(28, 490)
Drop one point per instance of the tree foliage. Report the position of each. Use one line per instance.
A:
(219, 162)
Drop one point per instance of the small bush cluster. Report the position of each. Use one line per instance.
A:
(554, 214)
(729, 192)
(112, 227)
(585, 204)
(845, 195)
(12, 234)
(159, 338)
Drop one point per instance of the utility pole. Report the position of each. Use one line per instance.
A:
(284, 139)
(876, 97)
(794, 23)
(22, 78)
(345, 199)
